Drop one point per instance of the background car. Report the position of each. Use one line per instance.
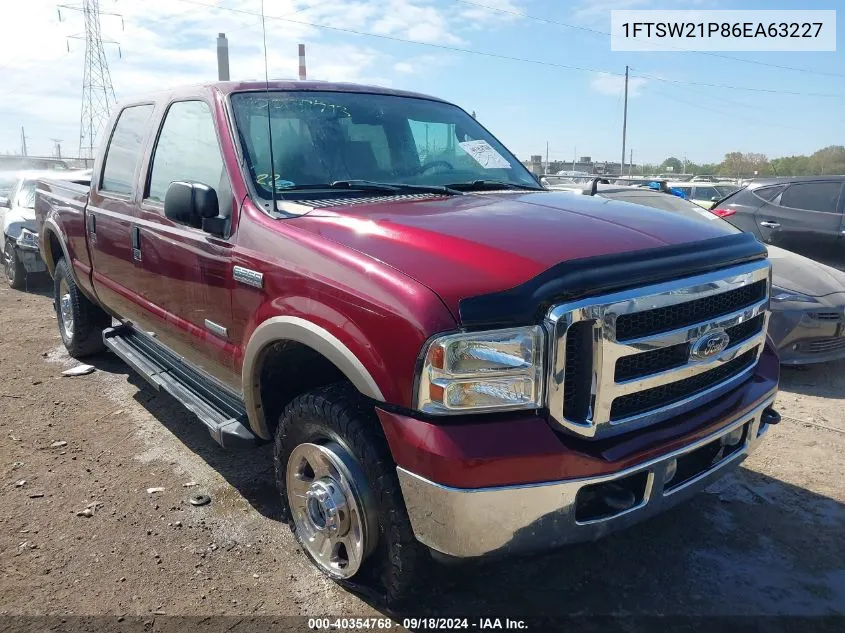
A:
(807, 322)
(19, 237)
(704, 194)
(801, 214)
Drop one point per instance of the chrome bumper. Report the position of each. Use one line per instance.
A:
(469, 523)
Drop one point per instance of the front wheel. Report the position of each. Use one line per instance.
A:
(81, 323)
(15, 272)
(340, 493)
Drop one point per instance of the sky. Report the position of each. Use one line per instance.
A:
(515, 72)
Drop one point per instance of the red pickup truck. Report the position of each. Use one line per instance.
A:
(449, 359)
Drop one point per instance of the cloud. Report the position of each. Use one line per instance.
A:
(172, 42)
(614, 85)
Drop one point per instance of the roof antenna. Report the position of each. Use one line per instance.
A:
(269, 126)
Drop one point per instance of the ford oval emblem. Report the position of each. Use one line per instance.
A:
(709, 345)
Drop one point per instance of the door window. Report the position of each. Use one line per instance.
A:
(769, 193)
(813, 196)
(187, 150)
(124, 150)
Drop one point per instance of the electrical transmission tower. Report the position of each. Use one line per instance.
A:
(97, 90)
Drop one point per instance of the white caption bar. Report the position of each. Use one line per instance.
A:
(656, 30)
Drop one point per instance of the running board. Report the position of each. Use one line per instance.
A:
(222, 412)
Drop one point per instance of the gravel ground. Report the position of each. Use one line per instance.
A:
(766, 541)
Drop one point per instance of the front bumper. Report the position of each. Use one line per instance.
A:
(31, 259)
(470, 523)
(808, 336)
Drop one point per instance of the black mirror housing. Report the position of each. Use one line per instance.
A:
(190, 203)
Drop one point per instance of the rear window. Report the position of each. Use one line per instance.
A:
(812, 196)
(706, 193)
(667, 202)
(124, 150)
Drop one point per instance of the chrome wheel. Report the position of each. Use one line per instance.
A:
(330, 503)
(65, 310)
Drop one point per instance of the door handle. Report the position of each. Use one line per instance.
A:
(136, 243)
(91, 225)
(770, 225)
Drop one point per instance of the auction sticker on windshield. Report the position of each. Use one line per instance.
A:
(484, 154)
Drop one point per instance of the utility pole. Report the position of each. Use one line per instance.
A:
(547, 157)
(302, 73)
(57, 144)
(574, 154)
(23, 143)
(631, 163)
(624, 124)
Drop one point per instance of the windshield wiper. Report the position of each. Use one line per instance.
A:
(394, 187)
(490, 185)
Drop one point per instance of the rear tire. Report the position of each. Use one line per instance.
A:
(15, 272)
(336, 425)
(81, 323)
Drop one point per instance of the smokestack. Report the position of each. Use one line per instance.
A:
(302, 62)
(222, 57)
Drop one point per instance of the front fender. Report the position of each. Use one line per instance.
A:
(299, 330)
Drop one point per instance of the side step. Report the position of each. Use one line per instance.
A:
(221, 411)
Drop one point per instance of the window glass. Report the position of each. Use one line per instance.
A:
(814, 196)
(186, 150)
(705, 193)
(321, 137)
(26, 195)
(124, 150)
(769, 193)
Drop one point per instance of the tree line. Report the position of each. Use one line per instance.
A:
(828, 160)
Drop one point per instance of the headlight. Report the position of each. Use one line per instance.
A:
(782, 295)
(475, 372)
(27, 239)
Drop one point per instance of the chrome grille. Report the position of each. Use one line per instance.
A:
(623, 361)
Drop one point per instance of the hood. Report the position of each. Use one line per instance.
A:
(16, 219)
(465, 246)
(801, 274)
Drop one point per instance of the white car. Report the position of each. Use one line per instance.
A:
(18, 238)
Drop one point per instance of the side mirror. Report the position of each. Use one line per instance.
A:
(5, 203)
(191, 203)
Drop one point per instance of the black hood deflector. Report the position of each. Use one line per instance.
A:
(590, 276)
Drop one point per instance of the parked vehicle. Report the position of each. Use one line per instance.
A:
(801, 214)
(448, 358)
(807, 323)
(702, 194)
(19, 238)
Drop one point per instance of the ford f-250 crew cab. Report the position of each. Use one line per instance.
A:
(448, 358)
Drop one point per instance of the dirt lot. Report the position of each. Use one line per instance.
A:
(766, 541)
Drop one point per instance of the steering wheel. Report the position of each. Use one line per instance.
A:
(435, 163)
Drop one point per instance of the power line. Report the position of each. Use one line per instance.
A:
(677, 48)
(407, 41)
(746, 88)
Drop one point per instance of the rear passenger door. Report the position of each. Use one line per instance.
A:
(805, 218)
(186, 271)
(111, 211)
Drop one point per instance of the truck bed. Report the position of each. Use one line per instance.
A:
(60, 211)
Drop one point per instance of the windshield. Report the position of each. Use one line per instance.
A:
(26, 195)
(323, 137)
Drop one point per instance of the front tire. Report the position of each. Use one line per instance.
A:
(340, 493)
(81, 323)
(15, 272)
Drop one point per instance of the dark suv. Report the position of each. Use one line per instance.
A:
(801, 214)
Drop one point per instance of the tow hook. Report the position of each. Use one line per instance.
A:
(770, 416)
